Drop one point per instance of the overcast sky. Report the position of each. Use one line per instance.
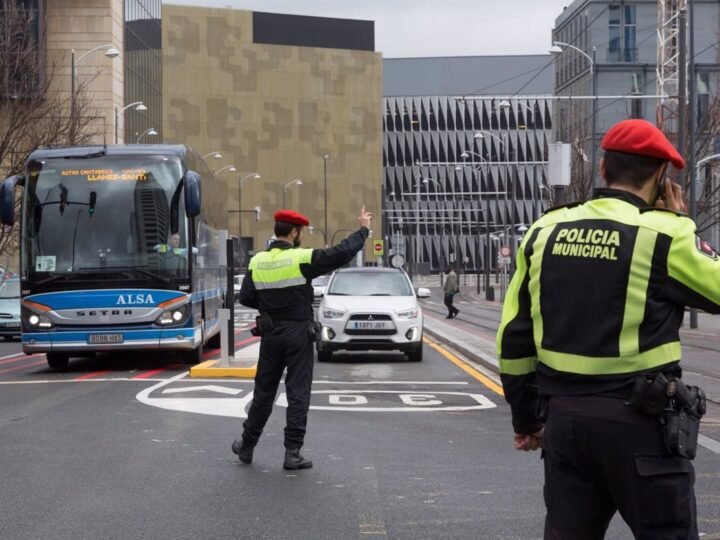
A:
(406, 28)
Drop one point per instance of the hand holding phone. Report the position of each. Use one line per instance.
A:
(670, 196)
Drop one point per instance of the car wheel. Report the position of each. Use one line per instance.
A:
(58, 360)
(415, 355)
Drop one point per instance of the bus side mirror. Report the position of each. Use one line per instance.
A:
(192, 194)
(7, 199)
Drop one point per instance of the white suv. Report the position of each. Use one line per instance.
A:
(369, 308)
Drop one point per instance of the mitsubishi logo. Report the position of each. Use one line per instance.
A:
(370, 318)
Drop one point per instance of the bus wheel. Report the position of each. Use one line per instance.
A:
(58, 360)
(194, 356)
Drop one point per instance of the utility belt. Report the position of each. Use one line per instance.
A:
(655, 397)
(264, 325)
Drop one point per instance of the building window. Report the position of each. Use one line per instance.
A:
(614, 44)
(703, 98)
(622, 28)
(630, 28)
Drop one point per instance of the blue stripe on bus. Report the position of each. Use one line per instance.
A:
(104, 298)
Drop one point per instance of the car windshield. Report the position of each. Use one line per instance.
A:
(370, 284)
(321, 281)
(10, 289)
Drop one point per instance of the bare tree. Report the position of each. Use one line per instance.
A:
(32, 112)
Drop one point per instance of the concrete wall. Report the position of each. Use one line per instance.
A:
(275, 110)
(83, 25)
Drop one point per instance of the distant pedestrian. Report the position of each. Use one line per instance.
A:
(451, 289)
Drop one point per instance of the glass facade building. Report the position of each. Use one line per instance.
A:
(143, 68)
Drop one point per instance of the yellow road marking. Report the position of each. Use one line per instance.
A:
(474, 373)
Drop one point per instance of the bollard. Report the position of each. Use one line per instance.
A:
(225, 336)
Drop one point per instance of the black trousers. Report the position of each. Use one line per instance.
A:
(449, 298)
(600, 457)
(290, 346)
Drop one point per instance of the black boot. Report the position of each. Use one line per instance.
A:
(244, 453)
(293, 460)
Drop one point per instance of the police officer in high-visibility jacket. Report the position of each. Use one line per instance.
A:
(594, 308)
(278, 284)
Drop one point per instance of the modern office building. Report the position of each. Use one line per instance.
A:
(143, 70)
(627, 39)
(465, 154)
(287, 97)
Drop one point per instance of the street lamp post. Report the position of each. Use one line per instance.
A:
(256, 176)
(230, 168)
(139, 106)
(325, 158)
(556, 49)
(110, 52)
(215, 155)
(150, 131)
(297, 181)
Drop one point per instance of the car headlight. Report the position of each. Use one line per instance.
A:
(408, 314)
(332, 313)
(35, 315)
(175, 311)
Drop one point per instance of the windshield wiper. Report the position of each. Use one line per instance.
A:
(338, 294)
(380, 294)
(137, 269)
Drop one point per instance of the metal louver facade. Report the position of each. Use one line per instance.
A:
(442, 208)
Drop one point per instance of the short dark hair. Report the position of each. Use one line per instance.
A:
(283, 229)
(630, 169)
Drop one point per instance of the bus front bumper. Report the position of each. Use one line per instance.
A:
(81, 341)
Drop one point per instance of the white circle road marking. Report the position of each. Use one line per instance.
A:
(337, 400)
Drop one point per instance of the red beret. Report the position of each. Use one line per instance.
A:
(642, 138)
(288, 216)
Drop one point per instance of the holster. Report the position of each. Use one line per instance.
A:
(315, 331)
(681, 420)
(677, 406)
(263, 325)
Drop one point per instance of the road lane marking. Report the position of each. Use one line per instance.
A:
(24, 366)
(11, 356)
(208, 387)
(93, 374)
(710, 444)
(492, 385)
(152, 372)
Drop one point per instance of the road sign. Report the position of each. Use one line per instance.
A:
(397, 261)
(378, 248)
(504, 251)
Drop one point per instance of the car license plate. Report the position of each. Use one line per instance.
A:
(97, 339)
(370, 325)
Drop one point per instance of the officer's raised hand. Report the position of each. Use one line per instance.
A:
(365, 218)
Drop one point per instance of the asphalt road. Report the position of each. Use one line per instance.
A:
(130, 447)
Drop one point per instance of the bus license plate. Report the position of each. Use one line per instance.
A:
(370, 325)
(97, 339)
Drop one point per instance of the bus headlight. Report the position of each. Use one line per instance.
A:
(173, 316)
(34, 315)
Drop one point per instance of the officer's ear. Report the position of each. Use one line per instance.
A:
(603, 174)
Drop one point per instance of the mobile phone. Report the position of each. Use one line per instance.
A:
(661, 188)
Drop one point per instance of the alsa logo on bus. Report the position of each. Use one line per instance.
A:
(135, 300)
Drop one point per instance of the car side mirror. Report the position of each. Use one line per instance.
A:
(7, 199)
(422, 292)
(192, 194)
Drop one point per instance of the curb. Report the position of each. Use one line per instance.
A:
(485, 360)
(208, 369)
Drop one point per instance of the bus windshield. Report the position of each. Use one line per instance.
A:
(102, 213)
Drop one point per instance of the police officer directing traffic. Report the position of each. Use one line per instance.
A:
(278, 285)
(589, 346)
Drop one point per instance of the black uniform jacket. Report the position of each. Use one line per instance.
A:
(599, 298)
(295, 303)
